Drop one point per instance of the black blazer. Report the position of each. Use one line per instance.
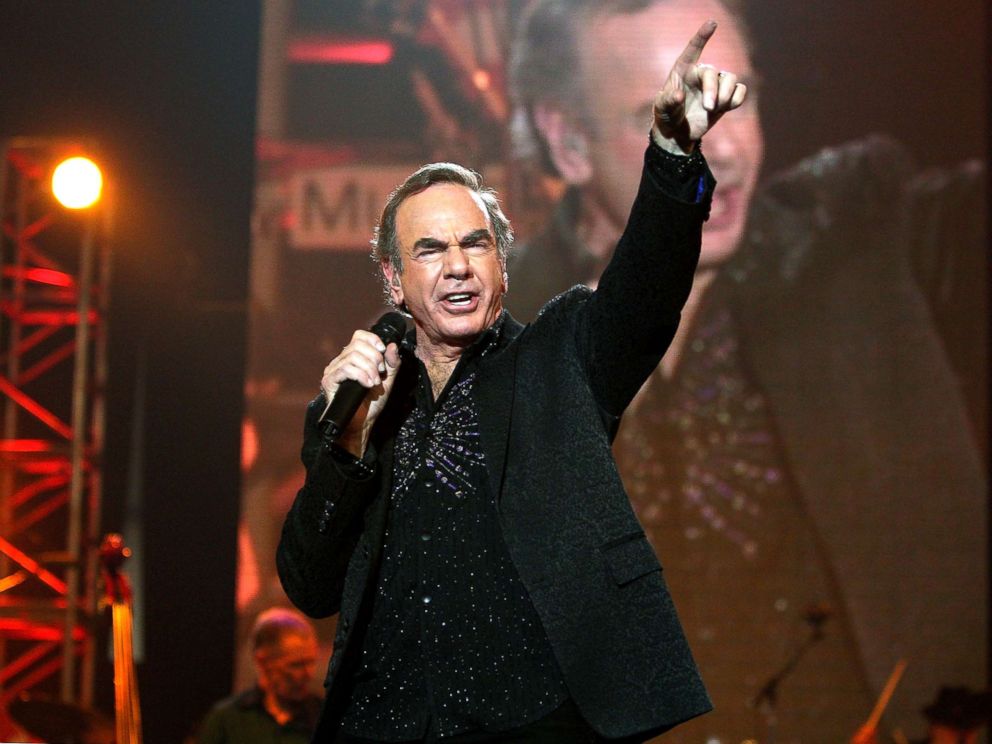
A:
(835, 330)
(549, 397)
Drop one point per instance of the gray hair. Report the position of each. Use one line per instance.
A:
(545, 60)
(275, 623)
(385, 246)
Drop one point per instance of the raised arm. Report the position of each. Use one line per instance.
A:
(631, 319)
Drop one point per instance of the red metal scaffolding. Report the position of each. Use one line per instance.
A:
(54, 271)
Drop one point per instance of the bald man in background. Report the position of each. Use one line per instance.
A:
(281, 708)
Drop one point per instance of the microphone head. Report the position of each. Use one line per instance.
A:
(391, 327)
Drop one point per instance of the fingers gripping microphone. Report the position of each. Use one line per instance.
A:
(390, 328)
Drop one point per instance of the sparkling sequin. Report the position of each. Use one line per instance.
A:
(454, 643)
(724, 462)
(705, 471)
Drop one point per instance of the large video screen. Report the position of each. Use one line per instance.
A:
(808, 461)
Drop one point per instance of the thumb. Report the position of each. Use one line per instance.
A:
(669, 110)
(392, 357)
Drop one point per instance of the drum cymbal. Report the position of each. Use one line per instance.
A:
(57, 722)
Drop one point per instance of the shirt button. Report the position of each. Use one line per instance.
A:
(426, 599)
(425, 536)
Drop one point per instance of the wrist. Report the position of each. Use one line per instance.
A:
(671, 145)
(352, 467)
(354, 443)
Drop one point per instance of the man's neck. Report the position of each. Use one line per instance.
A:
(440, 361)
(440, 358)
(281, 711)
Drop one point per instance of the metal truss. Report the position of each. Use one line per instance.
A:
(54, 271)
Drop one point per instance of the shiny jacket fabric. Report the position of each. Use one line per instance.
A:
(549, 398)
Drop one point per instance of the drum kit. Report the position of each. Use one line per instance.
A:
(58, 722)
(62, 722)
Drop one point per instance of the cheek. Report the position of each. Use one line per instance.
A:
(626, 144)
(749, 141)
(501, 281)
(620, 153)
(756, 147)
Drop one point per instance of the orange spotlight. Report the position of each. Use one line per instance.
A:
(77, 183)
(481, 79)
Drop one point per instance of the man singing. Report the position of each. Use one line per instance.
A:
(469, 524)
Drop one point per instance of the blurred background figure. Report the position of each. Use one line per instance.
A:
(807, 440)
(957, 716)
(43, 719)
(282, 706)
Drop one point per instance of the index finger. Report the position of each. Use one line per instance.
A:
(690, 55)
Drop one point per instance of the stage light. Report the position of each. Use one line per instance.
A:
(77, 183)
(481, 79)
(332, 50)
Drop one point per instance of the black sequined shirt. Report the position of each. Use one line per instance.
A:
(454, 642)
(703, 463)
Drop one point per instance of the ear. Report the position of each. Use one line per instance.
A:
(568, 145)
(261, 669)
(393, 280)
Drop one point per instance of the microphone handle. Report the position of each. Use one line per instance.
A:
(342, 407)
(350, 393)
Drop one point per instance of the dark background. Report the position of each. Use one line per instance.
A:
(916, 70)
(168, 89)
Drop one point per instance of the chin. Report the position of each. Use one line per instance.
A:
(460, 329)
(464, 331)
(466, 324)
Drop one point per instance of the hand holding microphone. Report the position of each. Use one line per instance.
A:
(357, 382)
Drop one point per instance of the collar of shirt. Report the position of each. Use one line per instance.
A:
(487, 340)
(305, 717)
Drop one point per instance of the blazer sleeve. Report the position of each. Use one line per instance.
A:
(629, 321)
(324, 524)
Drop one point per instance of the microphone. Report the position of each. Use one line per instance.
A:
(390, 328)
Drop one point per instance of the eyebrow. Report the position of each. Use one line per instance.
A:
(475, 236)
(435, 244)
(428, 243)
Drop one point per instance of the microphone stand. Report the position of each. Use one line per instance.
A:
(767, 696)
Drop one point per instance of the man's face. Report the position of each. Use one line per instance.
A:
(625, 60)
(287, 671)
(453, 278)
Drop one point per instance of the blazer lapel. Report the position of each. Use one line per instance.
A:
(495, 387)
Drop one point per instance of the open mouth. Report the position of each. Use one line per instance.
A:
(460, 302)
(725, 209)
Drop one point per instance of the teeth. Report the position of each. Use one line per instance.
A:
(459, 299)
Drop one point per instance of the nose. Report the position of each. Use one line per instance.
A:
(456, 264)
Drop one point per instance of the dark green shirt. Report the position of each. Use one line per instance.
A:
(243, 719)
